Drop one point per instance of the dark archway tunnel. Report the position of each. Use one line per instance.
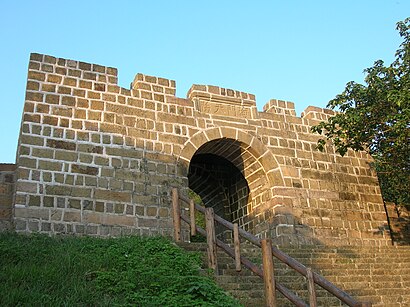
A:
(216, 175)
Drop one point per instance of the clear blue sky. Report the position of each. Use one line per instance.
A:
(300, 51)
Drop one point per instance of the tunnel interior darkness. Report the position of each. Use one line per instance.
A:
(216, 175)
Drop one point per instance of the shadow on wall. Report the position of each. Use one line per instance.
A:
(288, 230)
(399, 220)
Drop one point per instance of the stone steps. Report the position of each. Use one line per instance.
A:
(378, 275)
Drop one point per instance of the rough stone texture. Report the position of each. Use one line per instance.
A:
(7, 179)
(94, 158)
(399, 222)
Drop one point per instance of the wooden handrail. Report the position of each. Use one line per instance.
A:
(291, 262)
(268, 273)
(253, 267)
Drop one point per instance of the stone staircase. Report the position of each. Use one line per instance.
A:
(380, 275)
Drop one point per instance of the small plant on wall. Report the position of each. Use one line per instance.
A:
(199, 217)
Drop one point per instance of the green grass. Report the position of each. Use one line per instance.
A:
(83, 271)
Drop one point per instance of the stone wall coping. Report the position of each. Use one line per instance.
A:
(7, 167)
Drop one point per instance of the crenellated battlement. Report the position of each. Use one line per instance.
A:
(280, 107)
(154, 84)
(98, 77)
(99, 159)
(58, 66)
(221, 94)
(317, 113)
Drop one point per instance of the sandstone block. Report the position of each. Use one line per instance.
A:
(59, 144)
(72, 216)
(112, 196)
(83, 169)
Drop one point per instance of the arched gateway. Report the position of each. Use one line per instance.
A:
(95, 158)
(233, 172)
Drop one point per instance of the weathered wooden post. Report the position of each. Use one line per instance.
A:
(268, 273)
(192, 217)
(311, 288)
(211, 239)
(237, 244)
(176, 214)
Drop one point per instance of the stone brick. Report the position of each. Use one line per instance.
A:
(62, 111)
(84, 66)
(148, 223)
(91, 230)
(33, 226)
(45, 227)
(54, 78)
(33, 96)
(68, 101)
(61, 144)
(50, 120)
(102, 161)
(48, 201)
(99, 206)
(33, 75)
(20, 224)
(32, 85)
(85, 84)
(31, 213)
(72, 216)
(52, 99)
(63, 155)
(112, 196)
(27, 187)
(85, 158)
(89, 76)
(83, 169)
(36, 57)
(56, 215)
(80, 192)
(89, 148)
(119, 208)
(61, 202)
(34, 200)
(163, 212)
(27, 162)
(50, 59)
(50, 165)
(58, 190)
(65, 90)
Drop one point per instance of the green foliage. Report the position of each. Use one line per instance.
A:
(376, 117)
(132, 271)
(199, 217)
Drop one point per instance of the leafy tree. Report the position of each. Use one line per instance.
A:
(376, 117)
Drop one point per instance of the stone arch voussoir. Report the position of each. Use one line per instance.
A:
(255, 146)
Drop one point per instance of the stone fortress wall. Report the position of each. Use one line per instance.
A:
(98, 159)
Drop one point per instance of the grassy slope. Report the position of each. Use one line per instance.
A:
(77, 271)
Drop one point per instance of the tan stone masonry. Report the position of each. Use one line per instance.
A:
(95, 158)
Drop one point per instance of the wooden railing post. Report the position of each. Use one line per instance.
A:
(192, 217)
(311, 288)
(366, 304)
(237, 244)
(176, 214)
(211, 239)
(268, 273)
